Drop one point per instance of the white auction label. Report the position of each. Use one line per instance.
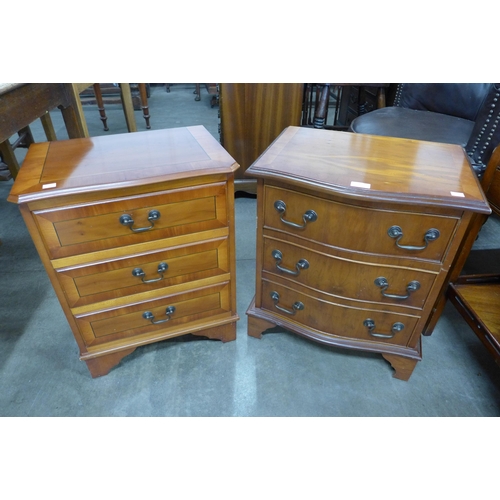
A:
(360, 185)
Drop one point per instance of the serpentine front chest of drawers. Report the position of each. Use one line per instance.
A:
(358, 236)
(136, 232)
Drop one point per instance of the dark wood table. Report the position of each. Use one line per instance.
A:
(23, 103)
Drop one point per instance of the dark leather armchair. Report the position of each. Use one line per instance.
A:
(458, 113)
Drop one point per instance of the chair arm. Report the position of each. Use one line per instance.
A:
(485, 135)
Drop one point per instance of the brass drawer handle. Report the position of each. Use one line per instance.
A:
(309, 215)
(149, 315)
(370, 324)
(297, 306)
(301, 264)
(397, 232)
(138, 272)
(384, 285)
(126, 220)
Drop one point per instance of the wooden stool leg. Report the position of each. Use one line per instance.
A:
(5, 174)
(144, 103)
(9, 158)
(197, 92)
(25, 138)
(100, 105)
(48, 127)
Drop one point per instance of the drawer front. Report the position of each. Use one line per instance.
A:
(156, 318)
(337, 319)
(357, 228)
(96, 282)
(119, 222)
(346, 278)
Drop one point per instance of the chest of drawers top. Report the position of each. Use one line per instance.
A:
(119, 162)
(372, 168)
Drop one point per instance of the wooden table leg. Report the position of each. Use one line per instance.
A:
(100, 105)
(128, 106)
(72, 112)
(144, 103)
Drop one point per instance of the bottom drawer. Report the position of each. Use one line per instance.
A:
(154, 318)
(337, 319)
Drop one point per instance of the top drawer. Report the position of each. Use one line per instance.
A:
(360, 229)
(118, 222)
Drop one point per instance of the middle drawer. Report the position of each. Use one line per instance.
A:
(99, 281)
(343, 277)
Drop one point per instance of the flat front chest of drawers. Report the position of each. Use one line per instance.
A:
(136, 232)
(357, 237)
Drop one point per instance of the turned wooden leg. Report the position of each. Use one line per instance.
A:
(403, 366)
(257, 325)
(322, 107)
(225, 333)
(102, 364)
(144, 103)
(100, 105)
(197, 92)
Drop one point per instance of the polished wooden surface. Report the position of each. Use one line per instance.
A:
(477, 298)
(122, 285)
(387, 169)
(95, 163)
(358, 188)
(253, 115)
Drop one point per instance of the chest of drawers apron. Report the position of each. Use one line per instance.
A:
(358, 236)
(136, 232)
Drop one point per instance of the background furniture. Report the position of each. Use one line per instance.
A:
(135, 255)
(348, 101)
(477, 296)
(466, 114)
(212, 89)
(357, 238)
(252, 115)
(130, 95)
(23, 103)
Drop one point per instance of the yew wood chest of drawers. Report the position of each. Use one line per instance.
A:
(358, 237)
(136, 232)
